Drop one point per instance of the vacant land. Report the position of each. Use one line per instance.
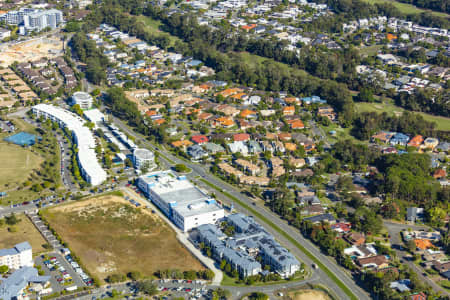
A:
(17, 164)
(21, 168)
(154, 27)
(23, 231)
(442, 123)
(112, 237)
(309, 295)
(408, 8)
(34, 49)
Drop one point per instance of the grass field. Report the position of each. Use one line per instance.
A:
(17, 164)
(408, 8)
(153, 27)
(26, 164)
(442, 123)
(24, 231)
(112, 237)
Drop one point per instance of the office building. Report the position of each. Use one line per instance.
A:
(84, 100)
(19, 256)
(186, 205)
(143, 158)
(90, 168)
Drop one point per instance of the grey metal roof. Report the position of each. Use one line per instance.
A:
(16, 249)
(17, 281)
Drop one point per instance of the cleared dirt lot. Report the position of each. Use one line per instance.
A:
(309, 295)
(32, 50)
(24, 231)
(112, 237)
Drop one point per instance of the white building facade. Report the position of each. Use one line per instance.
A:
(83, 99)
(143, 158)
(90, 168)
(21, 255)
(186, 205)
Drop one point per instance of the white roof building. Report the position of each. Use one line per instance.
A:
(90, 168)
(186, 205)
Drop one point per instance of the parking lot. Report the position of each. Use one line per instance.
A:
(62, 273)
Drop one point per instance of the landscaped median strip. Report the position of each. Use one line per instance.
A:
(293, 241)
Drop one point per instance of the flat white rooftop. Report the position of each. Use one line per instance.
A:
(179, 193)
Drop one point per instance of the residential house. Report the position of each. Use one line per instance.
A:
(329, 218)
(241, 137)
(399, 139)
(414, 214)
(416, 141)
(423, 244)
(439, 173)
(383, 136)
(288, 111)
(238, 147)
(229, 170)
(213, 148)
(196, 152)
(355, 238)
(199, 139)
(373, 262)
(430, 143)
(248, 166)
(327, 111)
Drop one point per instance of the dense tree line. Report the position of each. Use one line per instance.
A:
(369, 123)
(87, 52)
(426, 100)
(408, 177)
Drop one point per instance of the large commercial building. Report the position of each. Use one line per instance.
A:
(19, 256)
(23, 281)
(143, 158)
(186, 205)
(90, 168)
(30, 19)
(83, 99)
(249, 242)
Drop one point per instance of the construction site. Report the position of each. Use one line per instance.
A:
(33, 49)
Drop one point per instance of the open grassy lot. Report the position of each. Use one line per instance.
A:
(407, 8)
(442, 123)
(23, 168)
(17, 164)
(153, 27)
(112, 237)
(21, 232)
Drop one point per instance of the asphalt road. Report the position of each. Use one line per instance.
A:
(199, 170)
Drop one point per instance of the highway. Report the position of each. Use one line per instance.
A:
(199, 170)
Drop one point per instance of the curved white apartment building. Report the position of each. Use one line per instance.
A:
(90, 168)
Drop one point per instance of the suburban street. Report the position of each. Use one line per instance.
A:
(199, 170)
(394, 230)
